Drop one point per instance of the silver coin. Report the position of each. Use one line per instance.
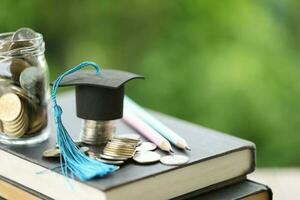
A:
(24, 34)
(174, 160)
(84, 149)
(113, 162)
(31, 80)
(130, 136)
(97, 132)
(145, 157)
(146, 146)
(112, 157)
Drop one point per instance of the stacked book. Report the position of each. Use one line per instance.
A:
(218, 168)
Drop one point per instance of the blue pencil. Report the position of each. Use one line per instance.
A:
(166, 132)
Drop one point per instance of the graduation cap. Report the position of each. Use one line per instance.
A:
(99, 97)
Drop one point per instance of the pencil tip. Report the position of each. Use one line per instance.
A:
(188, 148)
(171, 151)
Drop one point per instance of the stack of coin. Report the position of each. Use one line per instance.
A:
(37, 115)
(97, 132)
(120, 147)
(13, 115)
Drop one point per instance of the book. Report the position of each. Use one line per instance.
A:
(246, 190)
(13, 191)
(215, 158)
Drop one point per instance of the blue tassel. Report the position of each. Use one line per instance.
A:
(74, 162)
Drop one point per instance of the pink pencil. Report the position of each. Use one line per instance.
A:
(147, 131)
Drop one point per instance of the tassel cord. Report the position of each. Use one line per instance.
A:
(73, 161)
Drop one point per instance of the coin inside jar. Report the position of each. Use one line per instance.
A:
(10, 107)
(17, 66)
(31, 80)
(145, 157)
(174, 160)
(23, 34)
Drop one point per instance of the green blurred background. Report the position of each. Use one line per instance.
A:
(229, 65)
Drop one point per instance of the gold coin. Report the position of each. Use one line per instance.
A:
(118, 149)
(121, 151)
(20, 44)
(112, 157)
(17, 131)
(17, 126)
(1, 126)
(118, 153)
(129, 142)
(17, 120)
(10, 107)
(130, 136)
(37, 118)
(25, 95)
(120, 145)
(35, 129)
(50, 153)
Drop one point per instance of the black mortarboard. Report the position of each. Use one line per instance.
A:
(99, 97)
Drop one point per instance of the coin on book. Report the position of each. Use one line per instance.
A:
(84, 149)
(146, 146)
(113, 162)
(174, 160)
(51, 153)
(112, 157)
(130, 136)
(145, 157)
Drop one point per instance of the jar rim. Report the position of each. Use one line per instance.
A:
(39, 36)
(38, 48)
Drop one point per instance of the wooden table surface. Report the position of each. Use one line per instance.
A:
(284, 182)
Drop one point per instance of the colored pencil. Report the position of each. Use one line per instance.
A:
(165, 131)
(147, 131)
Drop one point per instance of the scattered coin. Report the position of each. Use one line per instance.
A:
(51, 153)
(84, 149)
(145, 157)
(129, 136)
(146, 146)
(55, 152)
(174, 160)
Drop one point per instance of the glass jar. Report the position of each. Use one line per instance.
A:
(24, 88)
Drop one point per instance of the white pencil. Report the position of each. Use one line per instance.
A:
(162, 129)
(147, 131)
